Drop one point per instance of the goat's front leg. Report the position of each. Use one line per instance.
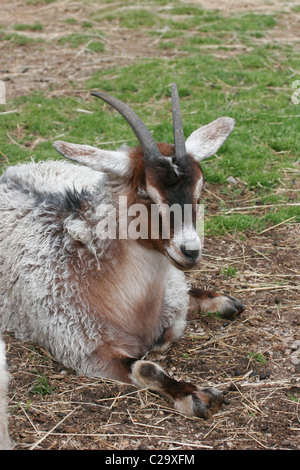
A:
(206, 301)
(186, 397)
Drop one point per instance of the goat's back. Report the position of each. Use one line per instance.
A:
(51, 175)
(36, 249)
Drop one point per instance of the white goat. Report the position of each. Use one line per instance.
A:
(97, 304)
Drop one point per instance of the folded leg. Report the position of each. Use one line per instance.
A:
(186, 397)
(112, 363)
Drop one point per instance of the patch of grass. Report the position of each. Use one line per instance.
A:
(133, 19)
(86, 24)
(41, 386)
(187, 10)
(18, 39)
(71, 20)
(37, 26)
(39, 2)
(294, 398)
(96, 46)
(238, 22)
(37, 117)
(167, 45)
(214, 315)
(75, 40)
(230, 271)
(257, 357)
(220, 225)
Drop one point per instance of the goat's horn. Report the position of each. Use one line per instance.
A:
(179, 141)
(143, 135)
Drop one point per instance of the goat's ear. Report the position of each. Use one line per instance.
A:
(207, 140)
(117, 163)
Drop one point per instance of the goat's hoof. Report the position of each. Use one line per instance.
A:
(203, 402)
(231, 308)
(206, 402)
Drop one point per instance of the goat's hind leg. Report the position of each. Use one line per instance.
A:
(205, 301)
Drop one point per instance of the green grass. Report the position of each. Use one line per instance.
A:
(39, 2)
(89, 39)
(257, 357)
(37, 26)
(230, 271)
(16, 39)
(222, 69)
(77, 39)
(41, 386)
(134, 19)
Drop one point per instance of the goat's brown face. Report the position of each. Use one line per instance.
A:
(175, 188)
(166, 177)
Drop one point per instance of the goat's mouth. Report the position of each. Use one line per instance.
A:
(179, 262)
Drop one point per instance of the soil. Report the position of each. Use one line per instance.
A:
(254, 360)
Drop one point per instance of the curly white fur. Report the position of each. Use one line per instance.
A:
(48, 253)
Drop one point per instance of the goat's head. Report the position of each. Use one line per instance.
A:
(165, 175)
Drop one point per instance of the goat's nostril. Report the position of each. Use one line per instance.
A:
(191, 254)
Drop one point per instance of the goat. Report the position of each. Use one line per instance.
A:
(5, 443)
(99, 304)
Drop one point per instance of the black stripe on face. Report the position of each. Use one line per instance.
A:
(173, 188)
(175, 181)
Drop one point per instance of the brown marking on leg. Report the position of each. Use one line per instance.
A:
(205, 301)
(187, 397)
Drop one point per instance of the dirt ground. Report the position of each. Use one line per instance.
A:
(254, 360)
